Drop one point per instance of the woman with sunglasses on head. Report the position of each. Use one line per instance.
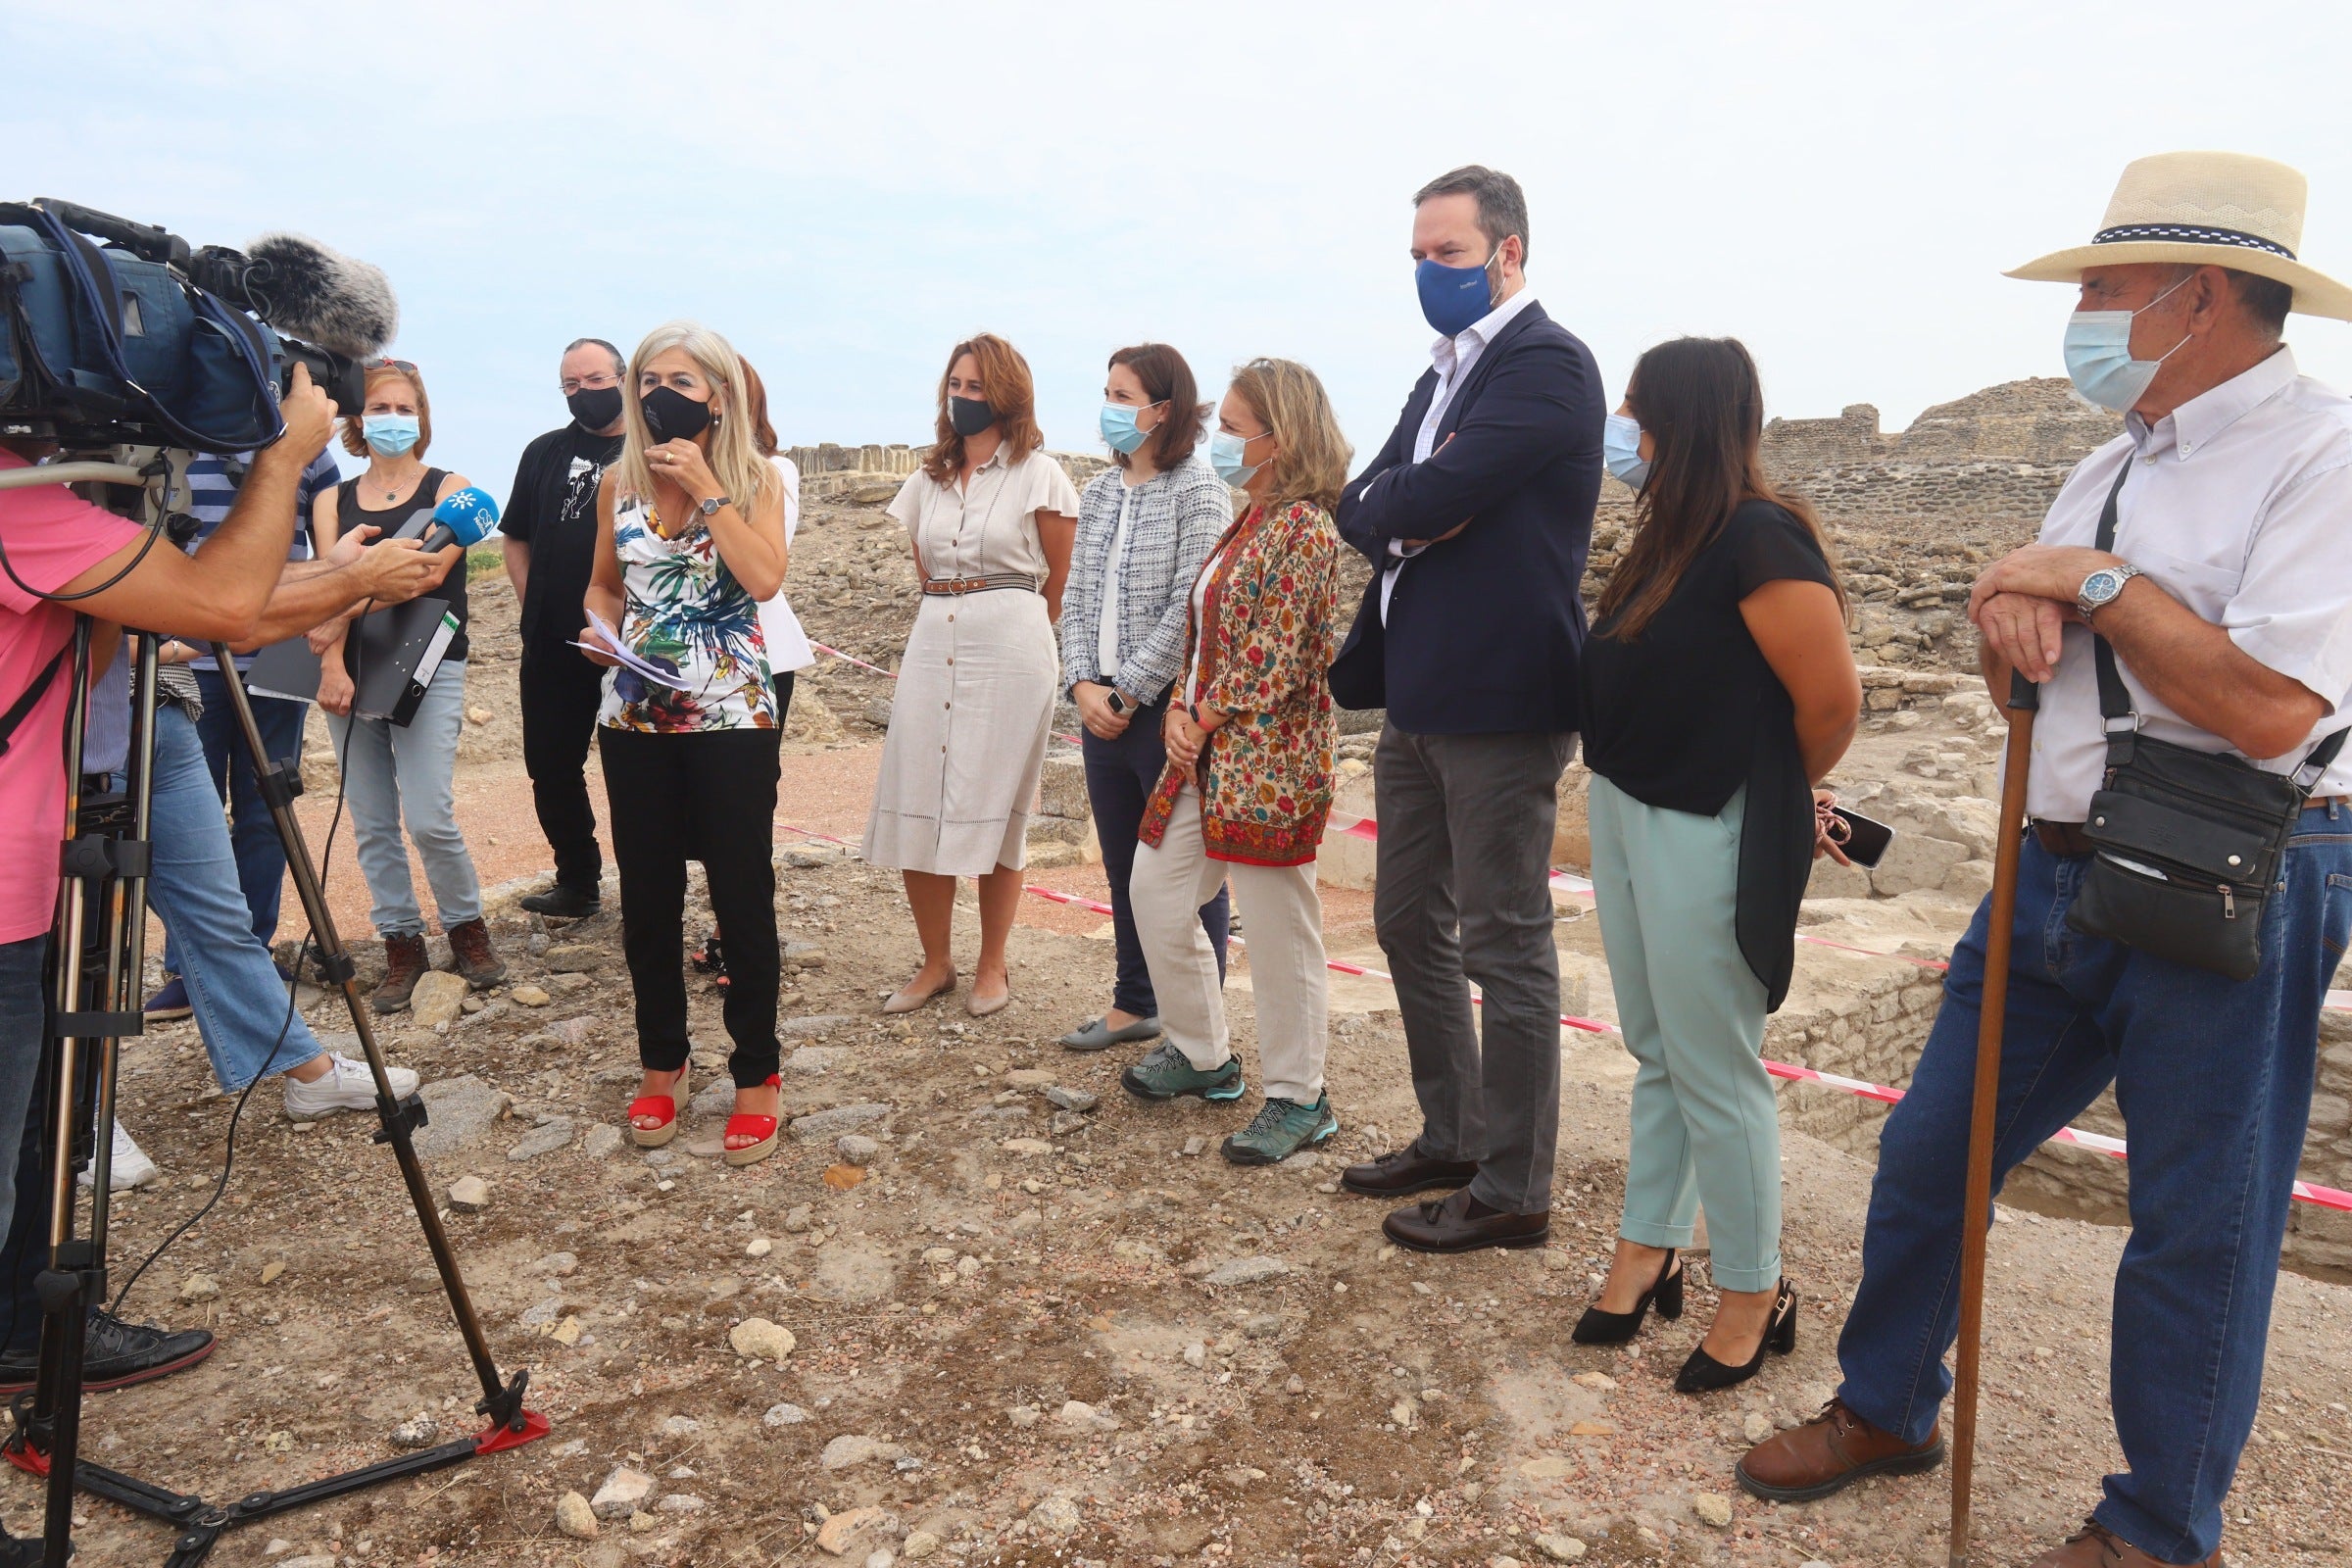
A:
(393, 772)
(1718, 688)
(690, 539)
(1145, 526)
(989, 517)
(1248, 786)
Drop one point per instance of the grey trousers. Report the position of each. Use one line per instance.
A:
(1463, 894)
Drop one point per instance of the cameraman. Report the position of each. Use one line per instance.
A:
(58, 545)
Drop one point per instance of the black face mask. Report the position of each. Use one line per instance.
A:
(595, 406)
(969, 416)
(672, 415)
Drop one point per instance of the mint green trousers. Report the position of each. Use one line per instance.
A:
(1706, 1128)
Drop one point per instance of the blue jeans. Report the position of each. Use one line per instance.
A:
(24, 1012)
(391, 772)
(261, 858)
(1120, 776)
(2214, 1078)
(240, 1000)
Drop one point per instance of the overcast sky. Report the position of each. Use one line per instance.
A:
(844, 190)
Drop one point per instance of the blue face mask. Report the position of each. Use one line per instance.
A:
(2098, 355)
(1118, 427)
(389, 433)
(1225, 452)
(1454, 299)
(1621, 449)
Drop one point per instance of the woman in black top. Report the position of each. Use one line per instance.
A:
(1718, 688)
(393, 772)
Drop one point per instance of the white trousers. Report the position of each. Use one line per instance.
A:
(1282, 918)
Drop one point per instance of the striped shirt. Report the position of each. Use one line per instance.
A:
(213, 485)
(1174, 519)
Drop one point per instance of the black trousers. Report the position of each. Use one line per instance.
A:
(708, 796)
(561, 693)
(1120, 776)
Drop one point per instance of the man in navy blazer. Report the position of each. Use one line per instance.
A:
(1477, 516)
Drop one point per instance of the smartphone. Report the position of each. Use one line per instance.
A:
(1866, 840)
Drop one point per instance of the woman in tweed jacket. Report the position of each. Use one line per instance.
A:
(1144, 527)
(1248, 785)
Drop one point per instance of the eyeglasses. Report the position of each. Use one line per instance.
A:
(587, 383)
(381, 364)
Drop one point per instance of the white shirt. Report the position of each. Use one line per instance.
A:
(2238, 505)
(1208, 570)
(787, 645)
(1107, 629)
(1453, 358)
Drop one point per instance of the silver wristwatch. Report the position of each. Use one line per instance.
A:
(2100, 588)
(711, 506)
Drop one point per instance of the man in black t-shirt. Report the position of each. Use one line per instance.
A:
(550, 529)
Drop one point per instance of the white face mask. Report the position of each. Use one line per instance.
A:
(1621, 449)
(2098, 354)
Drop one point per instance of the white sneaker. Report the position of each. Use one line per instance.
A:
(347, 1085)
(130, 1168)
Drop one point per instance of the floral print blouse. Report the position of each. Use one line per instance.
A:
(686, 614)
(1261, 649)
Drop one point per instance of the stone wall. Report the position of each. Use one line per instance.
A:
(1799, 445)
(864, 475)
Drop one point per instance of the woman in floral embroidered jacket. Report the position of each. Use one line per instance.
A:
(1247, 787)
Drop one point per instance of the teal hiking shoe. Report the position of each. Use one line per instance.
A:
(1283, 1128)
(1164, 1074)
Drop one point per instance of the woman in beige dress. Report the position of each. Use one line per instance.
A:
(990, 518)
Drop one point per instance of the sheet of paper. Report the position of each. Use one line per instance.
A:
(614, 648)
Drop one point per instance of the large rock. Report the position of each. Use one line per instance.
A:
(438, 999)
(848, 1451)
(823, 1126)
(1914, 861)
(459, 1113)
(1062, 789)
(623, 1493)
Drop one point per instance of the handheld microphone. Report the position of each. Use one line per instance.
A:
(463, 517)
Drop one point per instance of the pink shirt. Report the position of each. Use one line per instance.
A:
(52, 536)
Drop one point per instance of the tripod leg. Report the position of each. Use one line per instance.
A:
(499, 1399)
(2025, 700)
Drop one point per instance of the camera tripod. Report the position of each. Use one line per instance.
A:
(104, 895)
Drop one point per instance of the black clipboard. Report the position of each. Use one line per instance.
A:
(397, 652)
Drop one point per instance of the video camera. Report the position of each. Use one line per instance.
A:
(116, 333)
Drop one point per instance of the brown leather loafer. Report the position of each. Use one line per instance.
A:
(1407, 1171)
(1829, 1454)
(1458, 1223)
(2096, 1546)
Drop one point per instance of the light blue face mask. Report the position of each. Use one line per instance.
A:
(1118, 427)
(2098, 355)
(1621, 449)
(1225, 456)
(389, 433)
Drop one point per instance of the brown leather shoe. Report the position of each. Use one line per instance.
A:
(1407, 1171)
(2096, 1546)
(405, 964)
(477, 960)
(1829, 1454)
(1460, 1223)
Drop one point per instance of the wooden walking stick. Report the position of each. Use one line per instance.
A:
(2025, 701)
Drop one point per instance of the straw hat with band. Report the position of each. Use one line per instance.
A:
(2205, 210)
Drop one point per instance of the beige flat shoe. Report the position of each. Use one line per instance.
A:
(906, 999)
(980, 1007)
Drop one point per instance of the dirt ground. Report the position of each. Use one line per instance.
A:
(1043, 1323)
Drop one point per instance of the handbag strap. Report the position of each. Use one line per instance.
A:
(2115, 698)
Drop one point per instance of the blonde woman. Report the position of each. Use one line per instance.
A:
(1248, 786)
(990, 518)
(690, 539)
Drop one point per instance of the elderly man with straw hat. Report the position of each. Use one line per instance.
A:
(2191, 590)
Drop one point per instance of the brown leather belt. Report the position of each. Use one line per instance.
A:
(958, 586)
(2068, 837)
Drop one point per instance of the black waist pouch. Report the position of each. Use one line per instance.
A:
(2186, 845)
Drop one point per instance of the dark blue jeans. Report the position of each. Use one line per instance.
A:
(2214, 1078)
(1120, 776)
(24, 1011)
(261, 858)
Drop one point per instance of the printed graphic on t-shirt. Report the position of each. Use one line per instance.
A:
(579, 491)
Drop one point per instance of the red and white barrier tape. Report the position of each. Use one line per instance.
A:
(2304, 1191)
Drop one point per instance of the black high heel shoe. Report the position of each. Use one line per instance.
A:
(1703, 1374)
(1597, 1327)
